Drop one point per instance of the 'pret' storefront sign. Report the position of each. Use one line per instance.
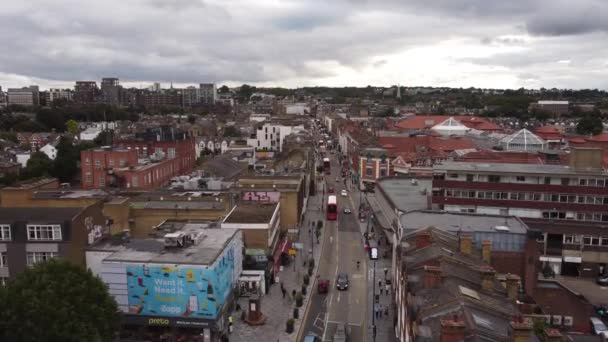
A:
(169, 321)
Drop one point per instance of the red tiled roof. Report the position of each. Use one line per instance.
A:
(547, 129)
(432, 143)
(577, 141)
(428, 121)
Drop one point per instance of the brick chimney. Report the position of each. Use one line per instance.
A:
(423, 239)
(432, 277)
(512, 281)
(486, 251)
(466, 244)
(487, 277)
(522, 329)
(552, 335)
(452, 329)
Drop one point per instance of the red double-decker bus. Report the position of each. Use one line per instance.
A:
(332, 207)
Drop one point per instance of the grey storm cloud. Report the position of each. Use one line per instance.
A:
(190, 41)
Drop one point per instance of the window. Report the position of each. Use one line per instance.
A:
(591, 240)
(87, 161)
(604, 242)
(97, 163)
(87, 177)
(572, 239)
(565, 181)
(368, 171)
(493, 179)
(582, 181)
(453, 175)
(44, 232)
(134, 181)
(470, 178)
(3, 261)
(111, 162)
(5, 232)
(520, 178)
(382, 172)
(171, 152)
(591, 182)
(600, 182)
(547, 180)
(102, 180)
(34, 257)
(122, 163)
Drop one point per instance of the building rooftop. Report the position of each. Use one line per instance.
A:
(464, 222)
(251, 213)
(37, 214)
(47, 194)
(212, 243)
(178, 205)
(404, 195)
(516, 168)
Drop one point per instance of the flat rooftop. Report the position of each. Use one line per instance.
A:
(212, 243)
(464, 222)
(404, 195)
(38, 214)
(179, 205)
(540, 169)
(251, 213)
(48, 194)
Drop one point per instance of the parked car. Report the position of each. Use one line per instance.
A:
(342, 281)
(343, 193)
(602, 280)
(597, 326)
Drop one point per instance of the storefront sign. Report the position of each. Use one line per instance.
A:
(169, 321)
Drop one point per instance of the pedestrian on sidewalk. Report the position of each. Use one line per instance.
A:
(380, 284)
(283, 290)
(376, 311)
(380, 310)
(293, 293)
(385, 272)
(387, 289)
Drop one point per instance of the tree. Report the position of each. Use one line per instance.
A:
(66, 162)
(231, 131)
(245, 92)
(57, 301)
(37, 166)
(224, 89)
(10, 136)
(104, 138)
(589, 125)
(72, 126)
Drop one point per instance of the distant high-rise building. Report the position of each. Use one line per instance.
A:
(110, 91)
(58, 94)
(85, 91)
(191, 96)
(26, 96)
(208, 93)
(156, 87)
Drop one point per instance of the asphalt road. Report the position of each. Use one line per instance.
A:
(343, 247)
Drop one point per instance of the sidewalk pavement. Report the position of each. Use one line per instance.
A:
(276, 308)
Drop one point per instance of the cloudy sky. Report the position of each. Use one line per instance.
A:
(459, 43)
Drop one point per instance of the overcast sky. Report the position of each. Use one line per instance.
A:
(458, 43)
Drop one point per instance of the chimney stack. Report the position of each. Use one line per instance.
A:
(552, 335)
(466, 243)
(423, 239)
(512, 286)
(432, 277)
(522, 329)
(486, 251)
(452, 329)
(487, 277)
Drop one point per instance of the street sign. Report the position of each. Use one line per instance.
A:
(298, 245)
(292, 251)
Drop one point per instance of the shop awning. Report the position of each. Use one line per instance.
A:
(550, 259)
(574, 259)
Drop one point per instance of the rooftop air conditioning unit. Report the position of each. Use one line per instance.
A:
(175, 240)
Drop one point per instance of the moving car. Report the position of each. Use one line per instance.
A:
(312, 338)
(602, 280)
(342, 281)
(330, 190)
(322, 286)
(347, 210)
(343, 193)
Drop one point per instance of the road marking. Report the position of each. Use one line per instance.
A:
(357, 276)
(338, 300)
(348, 323)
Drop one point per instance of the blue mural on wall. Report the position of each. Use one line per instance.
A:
(181, 291)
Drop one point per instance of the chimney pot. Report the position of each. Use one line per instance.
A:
(486, 251)
(487, 277)
(466, 242)
(512, 281)
(432, 277)
(452, 330)
(522, 329)
(423, 239)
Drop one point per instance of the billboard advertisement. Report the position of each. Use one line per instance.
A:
(192, 291)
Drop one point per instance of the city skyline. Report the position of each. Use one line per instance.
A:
(531, 44)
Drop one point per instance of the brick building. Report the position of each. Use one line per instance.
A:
(567, 203)
(146, 163)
